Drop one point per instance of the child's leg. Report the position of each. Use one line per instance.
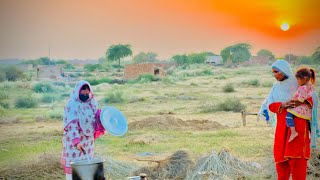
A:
(290, 124)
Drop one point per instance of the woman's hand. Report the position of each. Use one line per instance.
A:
(295, 103)
(80, 148)
(286, 104)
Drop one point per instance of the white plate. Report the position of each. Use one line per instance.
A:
(113, 121)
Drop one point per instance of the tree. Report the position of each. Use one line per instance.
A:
(304, 60)
(197, 58)
(225, 54)
(291, 58)
(117, 52)
(145, 57)
(180, 59)
(265, 52)
(237, 53)
(316, 56)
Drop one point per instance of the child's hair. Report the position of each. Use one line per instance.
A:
(84, 87)
(308, 73)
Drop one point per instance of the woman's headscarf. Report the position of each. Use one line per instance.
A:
(83, 111)
(283, 90)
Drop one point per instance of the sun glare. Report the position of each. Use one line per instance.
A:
(285, 26)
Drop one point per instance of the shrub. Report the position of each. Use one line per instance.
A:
(42, 88)
(12, 73)
(253, 82)
(25, 102)
(5, 105)
(207, 72)
(118, 81)
(68, 67)
(90, 67)
(229, 104)
(144, 78)
(228, 88)
(94, 82)
(220, 77)
(115, 96)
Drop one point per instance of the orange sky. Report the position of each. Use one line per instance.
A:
(86, 28)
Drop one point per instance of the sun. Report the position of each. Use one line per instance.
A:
(285, 27)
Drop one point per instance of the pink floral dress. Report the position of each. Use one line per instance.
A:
(303, 111)
(81, 125)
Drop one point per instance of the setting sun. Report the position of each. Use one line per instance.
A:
(285, 26)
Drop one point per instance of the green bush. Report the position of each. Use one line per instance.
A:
(253, 82)
(228, 88)
(25, 102)
(94, 81)
(146, 78)
(206, 72)
(90, 67)
(68, 67)
(10, 73)
(229, 104)
(114, 96)
(5, 105)
(42, 88)
(48, 98)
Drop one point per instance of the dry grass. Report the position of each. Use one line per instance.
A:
(40, 167)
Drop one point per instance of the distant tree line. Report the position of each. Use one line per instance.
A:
(47, 61)
(194, 58)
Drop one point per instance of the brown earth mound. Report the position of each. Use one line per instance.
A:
(169, 122)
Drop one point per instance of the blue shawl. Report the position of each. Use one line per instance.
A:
(315, 126)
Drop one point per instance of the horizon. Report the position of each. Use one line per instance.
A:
(81, 29)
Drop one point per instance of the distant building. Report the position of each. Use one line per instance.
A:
(214, 60)
(53, 72)
(132, 71)
(257, 60)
